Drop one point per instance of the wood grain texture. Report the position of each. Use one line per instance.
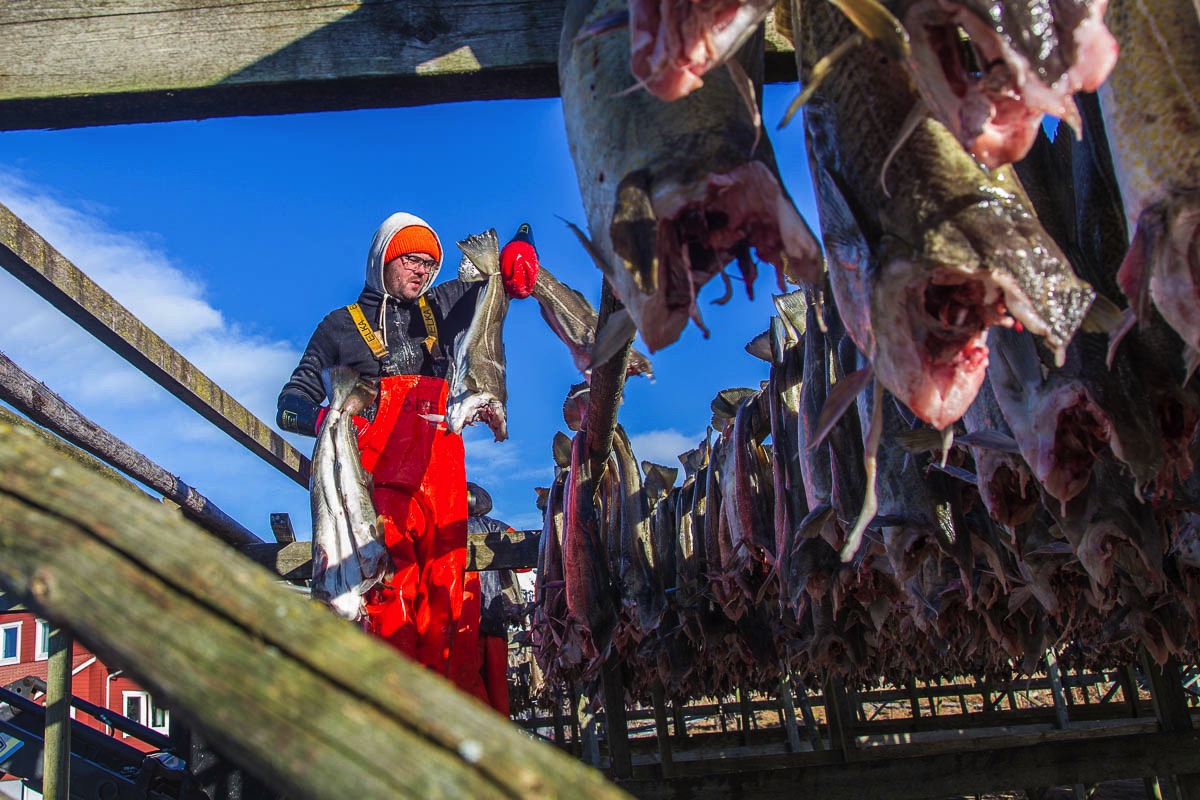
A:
(296, 695)
(72, 63)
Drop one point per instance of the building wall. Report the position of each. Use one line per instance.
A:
(92, 680)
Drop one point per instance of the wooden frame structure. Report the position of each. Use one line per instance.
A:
(250, 660)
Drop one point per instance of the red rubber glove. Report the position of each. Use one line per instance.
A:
(360, 423)
(519, 264)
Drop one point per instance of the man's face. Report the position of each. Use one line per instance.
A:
(404, 275)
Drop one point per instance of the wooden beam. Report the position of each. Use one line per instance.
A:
(56, 749)
(485, 551)
(36, 401)
(1051, 763)
(76, 63)
(291, 692)
(36, 263)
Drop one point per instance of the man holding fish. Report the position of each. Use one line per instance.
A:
(432, 351)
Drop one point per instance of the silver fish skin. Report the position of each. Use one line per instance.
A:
(349, 553)
(1031, 58)
(1006, 484)
(478, 384)
(573, 320)
(673, 192)
(1151, 107)
(922, 268)
(675, 42)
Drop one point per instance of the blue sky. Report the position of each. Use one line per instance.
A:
(232, 238)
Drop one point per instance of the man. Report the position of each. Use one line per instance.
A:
(401, 331)
(493, 601)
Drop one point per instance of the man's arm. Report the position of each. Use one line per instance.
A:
(299, 404)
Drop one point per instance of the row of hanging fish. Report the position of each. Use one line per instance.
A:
(967, 564)
(914, 112)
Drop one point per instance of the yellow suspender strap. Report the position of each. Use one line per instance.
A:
(431, 341)
(364, 329)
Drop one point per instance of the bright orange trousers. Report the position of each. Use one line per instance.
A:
(421, 494)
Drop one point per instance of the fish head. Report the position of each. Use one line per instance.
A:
(990, 69)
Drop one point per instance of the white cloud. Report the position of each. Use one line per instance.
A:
(102, 386)
(662, 446)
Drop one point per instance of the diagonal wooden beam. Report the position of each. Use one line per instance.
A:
(32, 259)
(75, 63)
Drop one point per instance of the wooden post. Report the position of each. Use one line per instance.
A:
(680, 720)
(837, 713)
(560, 736)
(56, 755)
(619, 757)
(985, 692)
(744, 715)
(914, 699)
(573, 710)
(810, 719)
(1061, 719)
(661, 732)
(789, 711)
(589, 743)
(1171, 708)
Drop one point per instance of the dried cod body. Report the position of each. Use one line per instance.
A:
(673, 191)
(478, 383)
(349, 555)
(1151, 107)
(926, 249)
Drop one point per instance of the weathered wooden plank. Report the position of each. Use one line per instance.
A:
(74, 63)
(280, 685)
(56, 752)
(36, 263)
(485, 551)
(36, 401)
(1054, 763)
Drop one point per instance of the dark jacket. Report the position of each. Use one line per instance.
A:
(337, 341)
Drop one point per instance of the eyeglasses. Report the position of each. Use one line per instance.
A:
(413, 261)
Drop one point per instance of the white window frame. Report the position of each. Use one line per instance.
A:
(148, 709)
(16, 659)
(41, 640)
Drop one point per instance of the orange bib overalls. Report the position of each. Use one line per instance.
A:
(421, 493)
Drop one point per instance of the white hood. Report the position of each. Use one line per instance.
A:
(379, 244)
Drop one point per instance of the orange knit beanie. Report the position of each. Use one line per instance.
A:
(413, 239)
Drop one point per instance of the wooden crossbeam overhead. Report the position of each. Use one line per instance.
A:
(32, 259)
(78, 63)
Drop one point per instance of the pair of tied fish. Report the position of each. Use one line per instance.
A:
(349, 555)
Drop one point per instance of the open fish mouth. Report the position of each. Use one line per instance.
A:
(991, 73)
(932, 338)
(1072, 433)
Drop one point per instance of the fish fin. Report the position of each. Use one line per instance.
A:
(483, 249)
(1190, 361)
(820, 73)
(870, 462)
(561, 449)
(876, 21)
(966, 476)
(634, 230)
(760, 347)
(812, 523)
(793, 310)
(616, 334)
(1118, 334)
(1103, 316)
(745, 89)
(920, 440)
(990, 440)
(839, 400)
(725, 298)
(593, 251)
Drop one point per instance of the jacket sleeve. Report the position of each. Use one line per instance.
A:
(300, 400)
